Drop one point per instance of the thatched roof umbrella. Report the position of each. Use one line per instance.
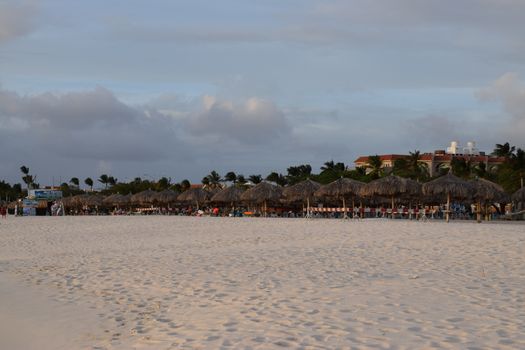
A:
(93, 201)
(519, 195)
(413, 194)
(87, 200)
(228, 195)
(302, 191)
(450, 186)
(122, 200)
(194, 195)
(77, 201)
(167, 196)
(68, 202)
(391, 186)
(341, 189)
(109, 199)
(485, 191)
(262, 193)
(118, 199)
(145, 197)
(211, 192)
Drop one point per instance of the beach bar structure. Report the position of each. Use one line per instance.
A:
(39, 201)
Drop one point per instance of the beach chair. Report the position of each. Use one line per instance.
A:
(423, 215)
(355, 214)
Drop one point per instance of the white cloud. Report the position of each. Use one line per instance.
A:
(509, 91)
(253, 121)
(16, 19)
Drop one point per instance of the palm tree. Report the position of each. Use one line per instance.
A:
(359, 173)
(231, 176)
(298, 173)
(401, 167)
(75, 181)
(510, 174)
(461, 167)
(279, 179)
(163, 183)
(112, 180)
(330, 165)
(480, 170)
(518, 164)
(185, 184)
(376, 165)
(104, 179)
(255, 179)
(205, 181)
(241, 180)
(418, 170)
(28, 179)
(24, 170)
(89, 181)
(504, 150)
(214, 179)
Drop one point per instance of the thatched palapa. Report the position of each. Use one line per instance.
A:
(109, 199)
(450, 186)
(519, 195)
(145, 197)
(485, 191)
(302, 191)
(228, 195)
(194, 195)
(263, 193)
(341, 189)
(88, 200)
(166, 197)
(518, 198)
(392, 186)
(68, 202)
(118, 200)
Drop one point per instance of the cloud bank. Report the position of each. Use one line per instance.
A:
(95, 127)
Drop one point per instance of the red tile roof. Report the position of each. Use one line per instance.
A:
(437, 157)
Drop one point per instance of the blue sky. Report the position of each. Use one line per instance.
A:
(180, 88)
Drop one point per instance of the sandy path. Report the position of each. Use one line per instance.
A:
(178, 282)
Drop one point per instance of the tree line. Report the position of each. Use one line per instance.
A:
(510, 175)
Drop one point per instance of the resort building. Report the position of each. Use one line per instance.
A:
(440, 159)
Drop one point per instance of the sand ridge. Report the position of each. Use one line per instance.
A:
(246, 283)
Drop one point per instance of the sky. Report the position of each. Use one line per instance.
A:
(179, 88)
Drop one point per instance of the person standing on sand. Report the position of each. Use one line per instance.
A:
(3, 212)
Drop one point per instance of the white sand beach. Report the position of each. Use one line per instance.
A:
(165, 282)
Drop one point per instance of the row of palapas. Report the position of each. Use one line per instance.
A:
(390, 189)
